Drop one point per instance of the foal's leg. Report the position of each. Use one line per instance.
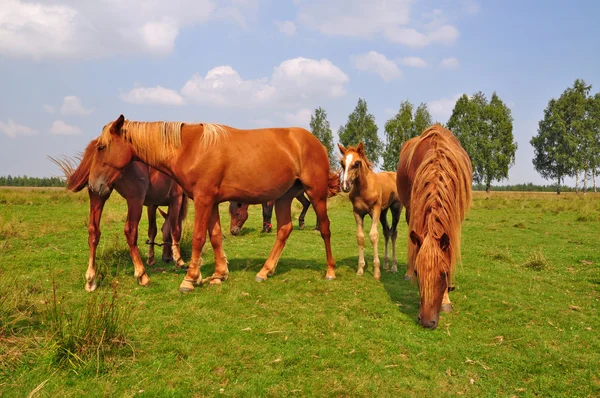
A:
(96, 206)
(386, 235)
(151, 234)
(216, 240)
(374, 237)
(175, 224)
(202, 208)
(305, 205)
(283, 213)
(396, 209)
(360, 240)
(134, 214)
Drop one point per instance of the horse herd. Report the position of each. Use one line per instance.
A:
(165, 163)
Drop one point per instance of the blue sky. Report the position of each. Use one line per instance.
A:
(69, 67)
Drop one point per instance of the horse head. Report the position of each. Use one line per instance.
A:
(354, 162)
(113, 153)
(432, 267)
(239, 215)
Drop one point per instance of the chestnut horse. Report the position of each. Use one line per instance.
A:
(373, 194)
(239, 214)
(434, 182)
(140, 185)
(214, 163)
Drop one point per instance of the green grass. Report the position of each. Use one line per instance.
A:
(525, 320)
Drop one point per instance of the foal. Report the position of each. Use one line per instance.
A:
(371, 193)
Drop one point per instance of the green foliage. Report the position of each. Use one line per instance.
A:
(361, 127)
(400, 129)
(319, 126)
(528, 187)
(565, 141)
(485, 131)
(25, 181)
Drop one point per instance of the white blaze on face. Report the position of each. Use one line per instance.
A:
(348, 164)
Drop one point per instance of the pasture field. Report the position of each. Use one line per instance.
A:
(525, 320)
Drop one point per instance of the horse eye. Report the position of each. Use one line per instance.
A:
(355, 165)
(101, 147)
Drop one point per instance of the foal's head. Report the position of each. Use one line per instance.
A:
(354, 162)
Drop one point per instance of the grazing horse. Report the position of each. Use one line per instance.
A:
(373, 194)
(434, 182)
(140, 185)
(214, 163)
(239, 215)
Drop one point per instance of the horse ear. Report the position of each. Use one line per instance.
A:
(342, 149)
(444, 242)
(360, 148)
(117, 125)
(416, 239)
(162, 213)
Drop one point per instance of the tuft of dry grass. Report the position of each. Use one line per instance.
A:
(536, 261)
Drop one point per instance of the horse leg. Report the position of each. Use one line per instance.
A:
(412, 250)
(96, 207)
(175, 224)
(216, 240)
(151, 234)
(305, 205)
(386, 234)
(267, 210)
(446, 303)
(319, 203)
(374, 237)
(396, 210)
(134, 214)
(283, 213)
(360, 240)
(202, 208)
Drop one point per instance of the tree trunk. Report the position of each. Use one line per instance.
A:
(577, 182)
(585, 178)
(594, 177)
(487, 187)
(558, 187)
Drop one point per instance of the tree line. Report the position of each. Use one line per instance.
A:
(25, 181)
(483, 127)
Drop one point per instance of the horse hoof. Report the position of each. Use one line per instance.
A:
(144, 280)
(215, 281)
(447, 307)
(359, 272)
(329, 277)
(394, 269)
(151, 261)
(378, 277)
(186, 286)
(259, 278)
(301, 226)
(181, 264)
(90, 287)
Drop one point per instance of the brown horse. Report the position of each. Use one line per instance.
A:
(239, 214)
(140, 185)
(373, 194)
(434, 182)
(215, 163)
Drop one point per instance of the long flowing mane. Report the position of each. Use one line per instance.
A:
(77, 177)
(440, 194)
(155, 141)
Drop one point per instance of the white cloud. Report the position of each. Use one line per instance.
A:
(292, 82)
(472, 7)
(90, 29)
(61, 128)
(72, 106)
(288, 28)
(299, 118)
(377, 63)
(450, 63)
(388, 19)
(153, 95)
(414, 62)
(48, 108)
(441, 109)
(12, 129)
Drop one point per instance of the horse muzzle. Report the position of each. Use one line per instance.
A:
(100, 188)
(235, 231)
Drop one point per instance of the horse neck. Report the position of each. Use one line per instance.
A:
(362, 184)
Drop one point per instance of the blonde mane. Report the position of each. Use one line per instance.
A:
(155, 141)
(440, 198)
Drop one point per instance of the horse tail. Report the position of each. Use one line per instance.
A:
(333, 184)
(77, 177)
